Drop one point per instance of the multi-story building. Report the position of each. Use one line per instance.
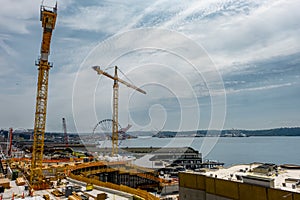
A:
(245, 182)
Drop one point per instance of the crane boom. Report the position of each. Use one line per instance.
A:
(115, 103)
(97, 69)
(48, 19)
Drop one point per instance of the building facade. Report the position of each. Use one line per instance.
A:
(196, 186)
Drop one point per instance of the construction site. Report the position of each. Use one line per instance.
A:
(40, 167)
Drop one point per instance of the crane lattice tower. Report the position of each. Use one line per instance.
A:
(48, 19)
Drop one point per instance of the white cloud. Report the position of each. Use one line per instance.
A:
(253, 89)
(17, 15)
(231, 31)
(244, 31)
(5, 47)
(107, 19)
(268, 31)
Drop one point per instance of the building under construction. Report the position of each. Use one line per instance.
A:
(36, 172)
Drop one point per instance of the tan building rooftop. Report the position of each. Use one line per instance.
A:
(266, 175)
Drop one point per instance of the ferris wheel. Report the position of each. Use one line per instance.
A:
(102, 132)
(104, 126)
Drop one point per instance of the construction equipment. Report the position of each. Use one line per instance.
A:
(46, 196)
(115, 103)
(10, 141)
(20, 181)
(65, 131)
(2, 171)
(48, 18)
(57, 193)
(100, 196)
(89, 187)
(74, 196)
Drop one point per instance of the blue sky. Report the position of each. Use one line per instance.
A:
(253, 45)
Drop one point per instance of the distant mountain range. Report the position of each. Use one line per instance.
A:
(274, 132)
(295, 131)
(224, 133)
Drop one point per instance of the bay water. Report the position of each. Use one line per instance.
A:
(231, 150)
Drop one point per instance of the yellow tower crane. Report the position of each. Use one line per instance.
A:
(114, 137)
(48, 19)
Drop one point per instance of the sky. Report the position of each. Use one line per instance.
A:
(204, 64)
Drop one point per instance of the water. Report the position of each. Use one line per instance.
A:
(235, 150)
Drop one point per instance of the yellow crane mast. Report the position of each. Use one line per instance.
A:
(48, 19)
(114, 137)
